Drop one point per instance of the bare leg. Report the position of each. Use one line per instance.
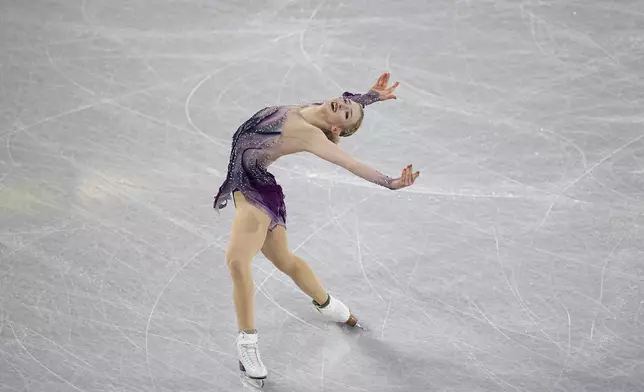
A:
(276, 250)
(247, 236)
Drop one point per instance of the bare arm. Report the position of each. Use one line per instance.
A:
(316, 143)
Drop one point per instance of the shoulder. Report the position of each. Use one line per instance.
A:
(297, 127)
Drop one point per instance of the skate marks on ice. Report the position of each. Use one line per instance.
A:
(564, 315)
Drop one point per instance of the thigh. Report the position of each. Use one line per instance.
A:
(248, 230)
(276, 248)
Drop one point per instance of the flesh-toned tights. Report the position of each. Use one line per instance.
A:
(250, 234)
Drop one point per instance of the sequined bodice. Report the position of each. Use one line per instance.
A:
(259, 141)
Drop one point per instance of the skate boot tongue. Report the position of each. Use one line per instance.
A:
(247, 338)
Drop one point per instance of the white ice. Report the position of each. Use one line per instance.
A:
(516, 263)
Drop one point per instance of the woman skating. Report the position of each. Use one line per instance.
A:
(260, 218)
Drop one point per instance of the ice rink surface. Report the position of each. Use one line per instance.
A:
(515, 263)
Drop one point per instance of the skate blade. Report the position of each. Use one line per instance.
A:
(358, 325)
(252, 382)
(353, 323)
(245, 378)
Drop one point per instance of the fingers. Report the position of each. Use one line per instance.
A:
(381, 80)
(381, 86)
(389, 91)
(408, 176)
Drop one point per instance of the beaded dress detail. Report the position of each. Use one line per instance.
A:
(254, 148)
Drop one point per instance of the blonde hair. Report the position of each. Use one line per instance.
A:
(331, 136)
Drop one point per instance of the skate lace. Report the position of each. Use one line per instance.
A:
(251, 354)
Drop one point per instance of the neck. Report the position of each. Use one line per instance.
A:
(315, 116)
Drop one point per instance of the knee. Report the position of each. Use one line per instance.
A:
(237, 266)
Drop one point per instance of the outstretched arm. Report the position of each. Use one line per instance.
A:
(363, 99)
(380, 91)
(331, 152)
(317, 144)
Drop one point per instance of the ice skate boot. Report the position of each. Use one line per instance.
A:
(338, 312)
(250, 362)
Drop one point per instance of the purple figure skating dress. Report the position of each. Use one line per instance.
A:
(254, 148)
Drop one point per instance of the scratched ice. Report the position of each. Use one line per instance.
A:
(514, 264)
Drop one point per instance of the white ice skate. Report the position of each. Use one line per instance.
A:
(338, 312)
(250, 362)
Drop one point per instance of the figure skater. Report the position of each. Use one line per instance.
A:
(260, 216)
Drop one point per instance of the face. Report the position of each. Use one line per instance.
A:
(343, 113)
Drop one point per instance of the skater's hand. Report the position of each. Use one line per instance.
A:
(382, 88)
(406, 179)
